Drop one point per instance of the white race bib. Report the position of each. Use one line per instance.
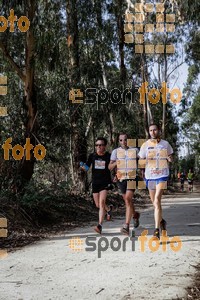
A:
(100, 164)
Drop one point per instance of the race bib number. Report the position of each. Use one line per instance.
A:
(159, 172)
(100, 164)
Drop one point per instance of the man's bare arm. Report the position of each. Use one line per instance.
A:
(112, 165)
(170, 158)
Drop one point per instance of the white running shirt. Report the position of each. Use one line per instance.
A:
(156, 153)
(126, 162)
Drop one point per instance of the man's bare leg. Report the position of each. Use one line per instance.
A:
(156, 196)
(129, 205)
(157, 205)
(152, 195)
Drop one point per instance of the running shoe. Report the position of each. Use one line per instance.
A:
(136, 219)
(98, 228)
(156, 233)
(109, 213)
(125, 229)
(163, 224)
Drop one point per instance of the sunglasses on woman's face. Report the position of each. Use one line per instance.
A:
(99, 145)
(123, 140)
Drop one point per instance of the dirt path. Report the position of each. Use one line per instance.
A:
(50, 269)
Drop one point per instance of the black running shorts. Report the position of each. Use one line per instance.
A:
(96, 188)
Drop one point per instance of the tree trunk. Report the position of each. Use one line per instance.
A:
(146, 108)
(73, 43)
(112, 129)
(78, 148)
(27, 76)
(164, 105)
(120, 30)
(31, 124)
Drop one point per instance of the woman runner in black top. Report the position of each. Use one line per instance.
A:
(101, 179)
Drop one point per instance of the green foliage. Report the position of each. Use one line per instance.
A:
(186, 164)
